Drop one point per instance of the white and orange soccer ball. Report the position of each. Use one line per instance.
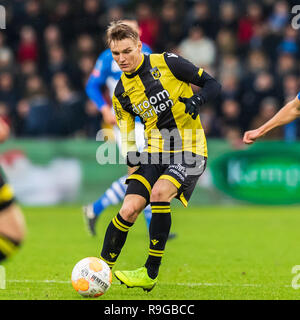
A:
(91, 277)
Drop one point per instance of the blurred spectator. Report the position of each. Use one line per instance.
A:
(35, 17)
(264, 86)
(39, 120)
(286, 63)
(253, 16)
(230, 116)
(60, 79)
(228, 17)
(93, 119)
(6, 54)
(234, 136)
(148, 23)
(6, 59)
(52, 36)
(22, 113)
(28, 46)
(256, 62)
(8, 92)
(230, 86)
(58, 62)
(170, 27)
(83, 46)
(70, 115)
(230, 64)
(291, 85)
(28, 68)
(226, 42)
(86, 64)
(114, 13)
(200, 15)
(5, 113)
(260, 31)
(267, 109)
(280, 16)
(63, 17)
(290, 41)
(114, 3)
(49, 48)
(209, 122)
(198, 48)
(89, 20)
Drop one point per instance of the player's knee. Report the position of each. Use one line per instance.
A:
(130, 211)
(159, 193)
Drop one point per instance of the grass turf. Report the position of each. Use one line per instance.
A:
(244, 252)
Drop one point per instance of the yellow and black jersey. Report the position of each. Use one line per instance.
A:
(152, 93)
(6, 193)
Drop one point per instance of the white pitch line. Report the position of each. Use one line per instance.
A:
(38, 281)
(204, 284)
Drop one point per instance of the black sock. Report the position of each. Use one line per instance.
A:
(159, 231)
(8, 246)
(115, 237)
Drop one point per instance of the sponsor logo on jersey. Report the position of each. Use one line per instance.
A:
(156, 104)
(155, 73)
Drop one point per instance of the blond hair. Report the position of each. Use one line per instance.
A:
(118, 30)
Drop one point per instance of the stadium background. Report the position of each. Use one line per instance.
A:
(244, 251)
(48, 51)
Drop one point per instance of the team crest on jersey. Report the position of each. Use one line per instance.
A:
(155, 73)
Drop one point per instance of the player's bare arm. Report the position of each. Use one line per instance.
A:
(287, 114)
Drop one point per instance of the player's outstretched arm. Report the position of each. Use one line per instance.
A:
(4, 130)
(288, 113)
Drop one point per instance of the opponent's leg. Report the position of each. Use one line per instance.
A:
(113, 195)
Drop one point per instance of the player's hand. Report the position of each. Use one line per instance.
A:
(133, 159)
(108, 116)
(192, 104)
(251, 136)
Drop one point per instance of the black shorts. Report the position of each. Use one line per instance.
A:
(183, 175)
(6, 194)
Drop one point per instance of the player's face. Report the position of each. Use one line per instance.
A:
(127, 54)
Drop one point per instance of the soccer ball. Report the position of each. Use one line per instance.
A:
(91, 277)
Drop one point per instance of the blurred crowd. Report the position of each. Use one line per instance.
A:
(49, 48)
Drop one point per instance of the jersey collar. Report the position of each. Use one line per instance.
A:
(137, 70)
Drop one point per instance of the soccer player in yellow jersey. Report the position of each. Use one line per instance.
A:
(12, 225)
(156, 88)
(288, 113)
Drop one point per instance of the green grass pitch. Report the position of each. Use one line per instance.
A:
(244, 252)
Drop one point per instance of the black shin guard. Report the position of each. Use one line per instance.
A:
(159, 231)
(115, 237)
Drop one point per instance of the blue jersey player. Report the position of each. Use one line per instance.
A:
(107, 73)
